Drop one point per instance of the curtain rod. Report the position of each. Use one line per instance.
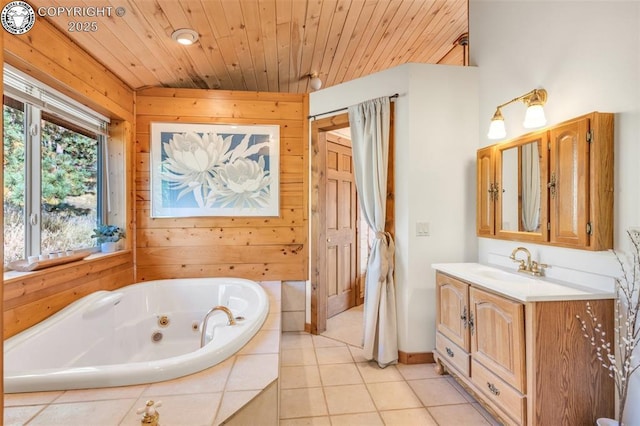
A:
(343, 109)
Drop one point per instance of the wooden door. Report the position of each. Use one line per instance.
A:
(569, 183)
(486, 192)
(317, 201)
(341, 247)
(452, 309)
(497, 336)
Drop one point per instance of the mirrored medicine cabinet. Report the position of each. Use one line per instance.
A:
(553, 186)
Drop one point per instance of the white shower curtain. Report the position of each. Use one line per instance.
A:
(370, 122)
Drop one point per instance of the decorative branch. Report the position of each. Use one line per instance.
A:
(626, 325)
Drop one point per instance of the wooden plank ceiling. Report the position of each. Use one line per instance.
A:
(265, 45)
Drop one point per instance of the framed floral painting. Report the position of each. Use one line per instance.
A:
(214, 170)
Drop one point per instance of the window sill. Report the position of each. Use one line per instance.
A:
(13, 276)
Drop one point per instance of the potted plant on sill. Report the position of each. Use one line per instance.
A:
(107, 236)
(617, 357)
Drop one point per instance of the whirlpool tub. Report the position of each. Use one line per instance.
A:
(142, 333)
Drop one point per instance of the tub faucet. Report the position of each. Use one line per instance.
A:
(151, 415)
(530, 266)
(232, 320)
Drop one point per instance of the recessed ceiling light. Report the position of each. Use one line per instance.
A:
(185, 36)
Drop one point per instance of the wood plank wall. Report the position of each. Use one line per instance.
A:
(51, 57)
(260, 248)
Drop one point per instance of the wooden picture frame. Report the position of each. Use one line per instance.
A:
(214, 170)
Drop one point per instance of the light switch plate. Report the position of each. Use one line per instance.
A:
(422, 229)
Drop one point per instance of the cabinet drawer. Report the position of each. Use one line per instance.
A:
(509, 400)
(453, 354)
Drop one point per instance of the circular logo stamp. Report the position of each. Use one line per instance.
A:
(18, 17)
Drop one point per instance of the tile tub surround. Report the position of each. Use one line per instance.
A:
(209, 397)
(293, 305)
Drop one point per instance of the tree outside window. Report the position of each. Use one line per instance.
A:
(60, 164)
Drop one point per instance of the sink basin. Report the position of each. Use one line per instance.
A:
(497, 274)
(518, 286)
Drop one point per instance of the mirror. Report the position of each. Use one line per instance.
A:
(522, 188)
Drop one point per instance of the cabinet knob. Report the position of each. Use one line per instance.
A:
(493, 389)
(450, 352)
(552, 185)
(463, 317)
(493, 191)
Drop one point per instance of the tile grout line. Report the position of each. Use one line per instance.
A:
(224, 390)
(324, 394)
(32, 418)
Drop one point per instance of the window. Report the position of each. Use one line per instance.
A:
(53, 157)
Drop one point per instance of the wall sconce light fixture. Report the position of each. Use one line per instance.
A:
(315, 83)
(534, 116)
(185, 36)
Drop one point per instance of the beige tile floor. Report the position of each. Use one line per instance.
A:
(325, 381)
(346, 327)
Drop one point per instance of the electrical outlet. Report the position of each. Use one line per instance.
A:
(422, 229)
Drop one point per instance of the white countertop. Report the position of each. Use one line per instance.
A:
(519, 286)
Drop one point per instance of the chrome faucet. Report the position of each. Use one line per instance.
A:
(530, 266)
(232, 320)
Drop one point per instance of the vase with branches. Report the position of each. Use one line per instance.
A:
(618, 357)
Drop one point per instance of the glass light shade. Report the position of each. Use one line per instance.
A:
(315, 83)
(534, 117)
(497, 129)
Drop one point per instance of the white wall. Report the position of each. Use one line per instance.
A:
(436, 137)
(435, 182)
(587, 55)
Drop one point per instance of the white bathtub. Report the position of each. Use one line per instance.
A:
(107, 338)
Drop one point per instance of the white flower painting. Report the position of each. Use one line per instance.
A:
(214, 170)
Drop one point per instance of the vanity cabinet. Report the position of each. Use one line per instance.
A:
(453, 318)
(552, 187)
(527, 363)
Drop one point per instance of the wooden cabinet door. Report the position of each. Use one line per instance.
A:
(497, 336)
(486, 192)
(569, 183)
(452, 309)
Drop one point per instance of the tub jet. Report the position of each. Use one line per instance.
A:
(163, 321)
